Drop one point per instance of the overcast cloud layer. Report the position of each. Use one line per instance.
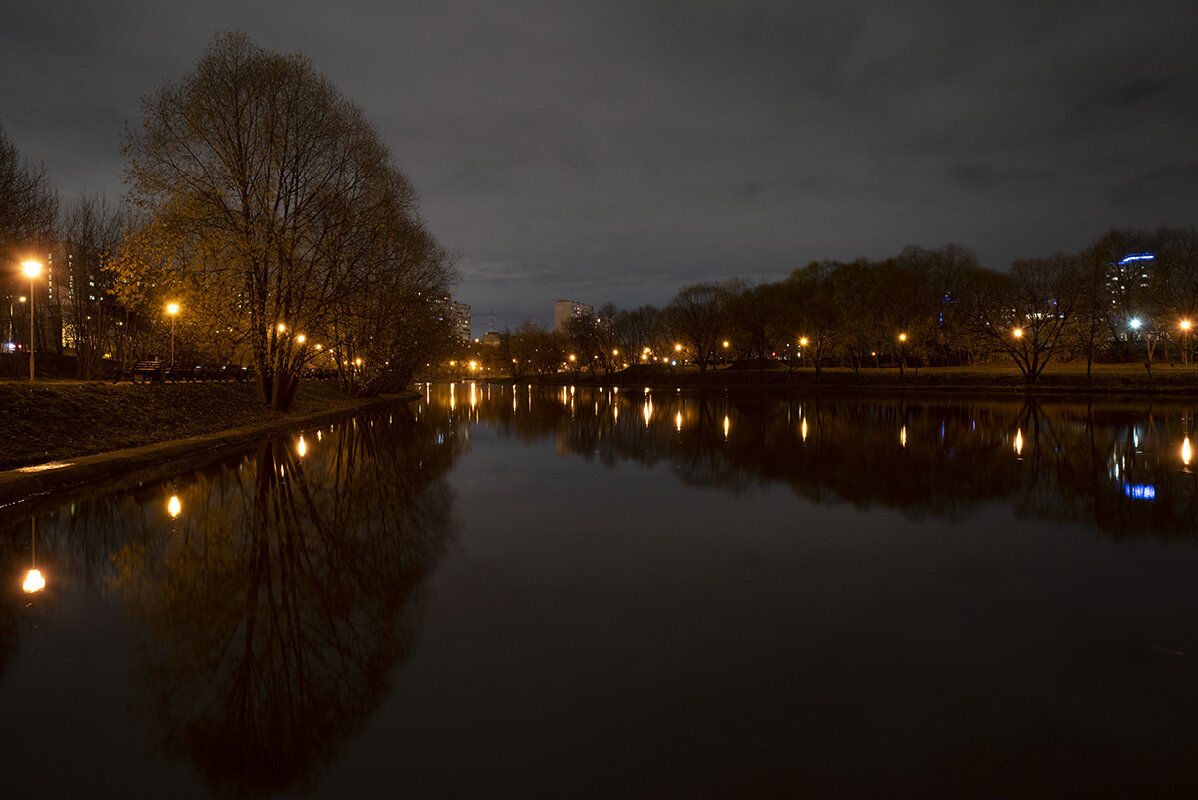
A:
(619, 151)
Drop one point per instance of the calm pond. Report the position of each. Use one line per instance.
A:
(599, 593)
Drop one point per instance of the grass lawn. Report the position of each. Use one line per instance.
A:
(52, 419)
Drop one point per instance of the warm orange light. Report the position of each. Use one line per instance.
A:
(31, 269)
(34, 582)
(1185, 324)
(174, 506)
(902, 337)
(301, 447)
(1185, 451)
(172, 308)
(301, 339)
(1017, 333)
(803, 341)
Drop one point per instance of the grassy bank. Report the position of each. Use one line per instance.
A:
(58, 419)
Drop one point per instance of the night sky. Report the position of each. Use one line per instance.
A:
(619, 151)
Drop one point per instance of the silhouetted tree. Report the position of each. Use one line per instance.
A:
(697, 317)
(269, 199)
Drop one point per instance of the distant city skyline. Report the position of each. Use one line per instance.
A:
(619, 152)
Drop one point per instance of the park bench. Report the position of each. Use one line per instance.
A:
(149, 370)
(210, 373)
(178, 372)
(156, 371)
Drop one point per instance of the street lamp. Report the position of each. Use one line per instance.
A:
(172, 309)
(1185, 337)
(31, 269)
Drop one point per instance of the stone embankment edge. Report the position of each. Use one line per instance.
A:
(118, 468)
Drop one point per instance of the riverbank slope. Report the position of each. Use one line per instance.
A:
(55, 434)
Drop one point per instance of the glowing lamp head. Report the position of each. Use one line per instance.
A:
(174, 507)
(34, 582)
(31, 269)
(1017, 333)
(1185, 324)
(172, 308)
(1135, 324)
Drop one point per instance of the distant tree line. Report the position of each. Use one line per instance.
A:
(927, 306)
(265, 207)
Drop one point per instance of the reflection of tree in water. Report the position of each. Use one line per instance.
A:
(275, 611)
(12, 564)
(928, 457)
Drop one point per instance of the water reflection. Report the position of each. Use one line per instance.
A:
(271, 595)
(1123, 466)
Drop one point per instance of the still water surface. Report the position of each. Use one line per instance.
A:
(577, 593)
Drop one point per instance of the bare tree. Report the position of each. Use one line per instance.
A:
(696, 317)
(28, 215)
(1026, 313)
(92, 232)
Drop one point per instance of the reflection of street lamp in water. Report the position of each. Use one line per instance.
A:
(34, 582)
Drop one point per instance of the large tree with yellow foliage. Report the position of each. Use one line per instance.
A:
(268, 203)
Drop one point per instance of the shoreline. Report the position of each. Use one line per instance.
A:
(1106, 380)
(23, 486)
(82, 454)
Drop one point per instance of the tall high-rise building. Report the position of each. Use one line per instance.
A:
(459, 314)
(566, 310)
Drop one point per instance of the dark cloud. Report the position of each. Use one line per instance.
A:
(621, 150)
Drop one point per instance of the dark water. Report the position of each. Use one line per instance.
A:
(610, 594)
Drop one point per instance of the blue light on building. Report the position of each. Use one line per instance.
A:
(1137, 257)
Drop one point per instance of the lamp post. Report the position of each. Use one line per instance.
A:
(172, 309)
(31, 269)
(1185, 338)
